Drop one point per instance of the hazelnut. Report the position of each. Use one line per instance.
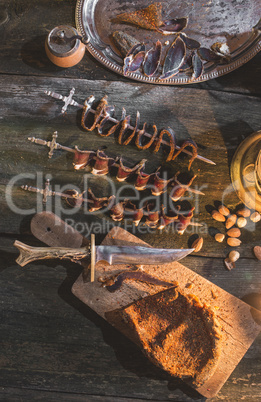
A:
(234, 232)
(255, 217)
(233, 242)
(219, 237)
(218, 216)
(231, 220)
(241, 222)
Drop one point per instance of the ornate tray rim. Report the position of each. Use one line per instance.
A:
(217, 70)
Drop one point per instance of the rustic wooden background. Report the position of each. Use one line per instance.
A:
(52, 345)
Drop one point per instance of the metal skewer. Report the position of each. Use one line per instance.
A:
(68, 100)
(47, 192)
(55, 145)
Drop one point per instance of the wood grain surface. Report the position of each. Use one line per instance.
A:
(52, 345)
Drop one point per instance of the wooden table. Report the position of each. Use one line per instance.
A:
(53, 347)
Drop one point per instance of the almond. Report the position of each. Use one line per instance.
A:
(257, 252)
(197, 244)
(241, 222)
(223, 210)
(245, 212)
(233, 242)
(255, 217)
(219, 237)
(231, 220)
(234, 232)
(218, 216)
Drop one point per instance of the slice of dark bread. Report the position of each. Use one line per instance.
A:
(176, 332)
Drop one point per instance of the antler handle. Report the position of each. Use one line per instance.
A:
(29, 254)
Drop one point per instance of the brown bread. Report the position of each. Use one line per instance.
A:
(176, 332)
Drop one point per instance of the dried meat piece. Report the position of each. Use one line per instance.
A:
(174, 59)
(152, 59)
(167, 219)
(96, 203)
(134, 63)
(122, 140)
(173, 26)
(114, 283)
(142, 180)
(136, 213)
(188, 143)
(179, 188)
(187, 65)
(124, 172)
(117, 210)
(153, 215)
(148, 18)
(190, 42)
(208, 55)
(172, 142)
(102, 164)
(82, 158)
(141, 133)
(124, 42)
(184, 220)
(197, 65)
(94, 118)
(160, 184)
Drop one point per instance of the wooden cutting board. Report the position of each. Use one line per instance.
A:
(240, 322)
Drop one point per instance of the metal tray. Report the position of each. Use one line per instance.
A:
(234, 22)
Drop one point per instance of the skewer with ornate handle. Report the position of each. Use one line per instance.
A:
(108, 202)
(84, 158)
(103, 116)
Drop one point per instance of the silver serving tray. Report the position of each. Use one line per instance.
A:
(236, 22)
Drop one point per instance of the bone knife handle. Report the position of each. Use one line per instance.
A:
(29, 253)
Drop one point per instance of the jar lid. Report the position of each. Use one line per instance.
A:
(63, 41)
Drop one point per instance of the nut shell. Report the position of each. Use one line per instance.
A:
(231, 220)
(233, 242)
(218, 216)
(229, 264)
(234, 232)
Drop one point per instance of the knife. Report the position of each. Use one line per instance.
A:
(109, 254)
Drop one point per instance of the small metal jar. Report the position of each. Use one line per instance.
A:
(64, 47)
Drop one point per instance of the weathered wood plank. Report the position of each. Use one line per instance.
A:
(18, 395)
(51, 342)
(24, 29)
(217, 121)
